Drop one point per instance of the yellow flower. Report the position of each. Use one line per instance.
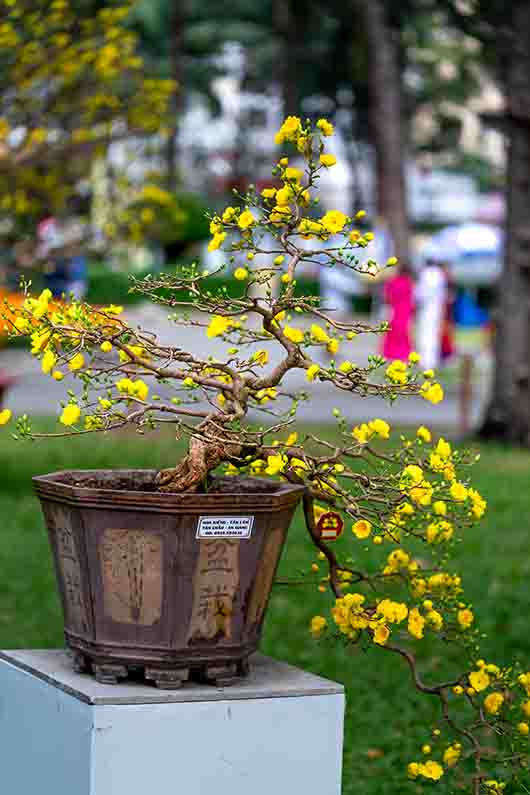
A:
(5, 416)
(70, 414)
(452, 754)
(229, 214)
(217, 241)
(132, 350)
(325, 127)
(443, 449)
(362, 528)
(334, 221)
(284, 196)
(77, 362)
(293, 334)
(241, 274)
(392, 261)
(140, 389)
(458, 491)
(432, 392)
(318, 334)
(479, 680)
(292, 174)
(416, 623)
(465, 618)
(267, 193)
(411, 477)
(312, 371)
(328, 160)
(48, 361)
(346, 367)
(380, 428)
(318, 625)
(218, 325)
(526, 708)
(106, 346)
(57, 375)
(424, 434)
(414, 357)
(289, 130)
(278, 260)
(431, 770)
(394, 612)
(493, 703)
(397, 372)
(309, 229)
(275, 464)
(332, 346)
(245, 220)
(381, 634)
(440, 508)
(21, 325)
(264, 395)
(362, 433)
(523, 728)
(524, 680)
(286, 278)
(478, 504)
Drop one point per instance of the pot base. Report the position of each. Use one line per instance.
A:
(217, 673)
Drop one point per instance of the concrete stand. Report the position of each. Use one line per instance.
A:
(62, 733)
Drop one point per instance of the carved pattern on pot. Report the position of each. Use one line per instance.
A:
(216, 584)
(70, 569)
(131, 563)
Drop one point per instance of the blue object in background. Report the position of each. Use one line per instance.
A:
(467, 312)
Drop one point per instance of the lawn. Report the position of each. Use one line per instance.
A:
(385, 718)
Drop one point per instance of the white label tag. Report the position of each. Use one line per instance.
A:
(225, 527)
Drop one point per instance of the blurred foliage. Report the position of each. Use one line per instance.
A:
(175, 223)
(72, 85)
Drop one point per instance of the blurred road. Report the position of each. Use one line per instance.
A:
(37, 394)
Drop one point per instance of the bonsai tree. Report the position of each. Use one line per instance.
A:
(409, 499)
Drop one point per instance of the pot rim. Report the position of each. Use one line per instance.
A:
(50, 487)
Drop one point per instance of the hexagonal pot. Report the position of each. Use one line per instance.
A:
(169, 586)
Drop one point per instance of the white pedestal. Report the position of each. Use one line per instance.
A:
(62, 733)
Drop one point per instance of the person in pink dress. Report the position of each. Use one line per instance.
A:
(399, 297)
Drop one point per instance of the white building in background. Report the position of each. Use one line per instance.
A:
(208, 145)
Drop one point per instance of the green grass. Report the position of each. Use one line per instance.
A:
(386, 720)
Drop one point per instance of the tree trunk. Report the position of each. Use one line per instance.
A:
(508, 416)
(386, 123)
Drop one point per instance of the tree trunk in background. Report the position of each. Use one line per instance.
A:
(176, 27)
(508, 416)
(285, 26)
(384, 84)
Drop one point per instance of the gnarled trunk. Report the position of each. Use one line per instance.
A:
(205, 453)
